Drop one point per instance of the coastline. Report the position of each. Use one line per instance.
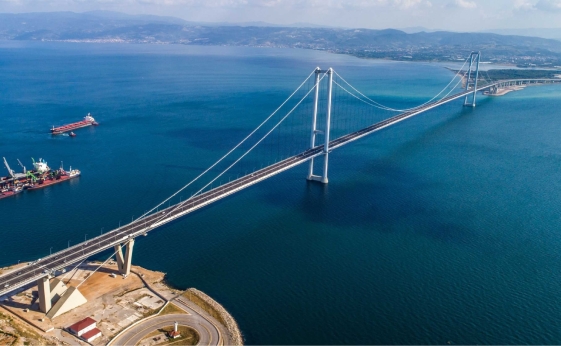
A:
(118, 304)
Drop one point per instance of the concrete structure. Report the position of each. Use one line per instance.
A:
(124, 263)
(496, 87)
(71, 299)
(55, 298)
(50, 292)
(44, 294)
(57, 289)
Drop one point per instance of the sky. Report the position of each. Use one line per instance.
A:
(456, 15)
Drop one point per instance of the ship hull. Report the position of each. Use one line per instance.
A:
(70, 127)
(9, 193)
(49, 182)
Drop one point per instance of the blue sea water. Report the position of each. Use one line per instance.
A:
(445, 228)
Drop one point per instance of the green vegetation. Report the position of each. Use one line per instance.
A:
(188, 336)
(171, 309)
(148, 312)
(203, 304)
(506, 74)
(217, 311)
(18, 333)
(521, 74)
(7, 339)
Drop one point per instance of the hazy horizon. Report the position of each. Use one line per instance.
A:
(451, 15)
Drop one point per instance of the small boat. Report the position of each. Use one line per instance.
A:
(72, 134)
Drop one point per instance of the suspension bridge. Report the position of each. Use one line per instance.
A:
(320, 91)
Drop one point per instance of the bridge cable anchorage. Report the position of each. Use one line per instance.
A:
(383, 107)
(179, 205)
(234, 148)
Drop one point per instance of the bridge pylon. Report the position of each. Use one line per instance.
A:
(474, 59)
(327, 129)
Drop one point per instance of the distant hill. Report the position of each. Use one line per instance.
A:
(103, 26)
(552, 33)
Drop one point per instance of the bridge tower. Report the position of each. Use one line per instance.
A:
(327, 129)
(474, 59)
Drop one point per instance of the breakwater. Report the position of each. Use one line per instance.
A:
(217, 311)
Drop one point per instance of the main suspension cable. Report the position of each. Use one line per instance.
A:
(179, 205)
(232, 150)
(383, 107)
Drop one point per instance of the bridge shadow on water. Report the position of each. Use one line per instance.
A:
(382, 196)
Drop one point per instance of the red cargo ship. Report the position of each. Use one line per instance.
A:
(11, 191)
(61, 176)
(41, 176)
(88, 121)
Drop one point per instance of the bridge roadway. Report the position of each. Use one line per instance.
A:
(35, 270)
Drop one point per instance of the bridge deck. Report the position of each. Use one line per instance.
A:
(14, 280)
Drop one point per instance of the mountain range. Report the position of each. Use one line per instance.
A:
(103, 26)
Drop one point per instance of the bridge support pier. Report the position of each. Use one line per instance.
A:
(44, 294)
(323, 178)
(124, 262)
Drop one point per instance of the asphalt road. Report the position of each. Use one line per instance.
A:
(208, 334)
(210, 331)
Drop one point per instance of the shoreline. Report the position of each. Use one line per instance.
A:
(117, 41)
(116, 303)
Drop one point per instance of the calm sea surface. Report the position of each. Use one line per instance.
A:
(444, 228)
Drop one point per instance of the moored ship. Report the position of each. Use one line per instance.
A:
(10, 191)
(40, 176)
(88, 121)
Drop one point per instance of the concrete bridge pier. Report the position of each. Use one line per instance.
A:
(55, 298)
(124, 262)
(44, 294)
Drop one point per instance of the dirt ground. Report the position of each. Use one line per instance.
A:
(113, 301)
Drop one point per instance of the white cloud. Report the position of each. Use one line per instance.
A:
(549, 5)
(523, 5)
(406, 4)
(464, 4)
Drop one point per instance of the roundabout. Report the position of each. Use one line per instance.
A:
(207, 332)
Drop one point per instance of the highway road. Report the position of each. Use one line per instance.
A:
(37, 269)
